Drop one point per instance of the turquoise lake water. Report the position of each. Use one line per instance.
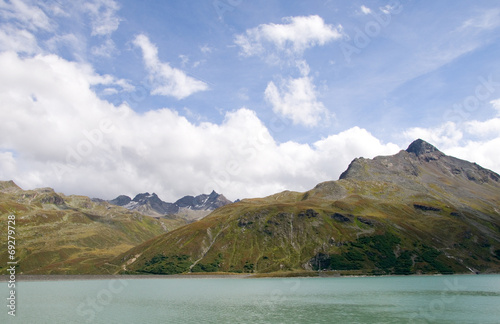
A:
(414, 299)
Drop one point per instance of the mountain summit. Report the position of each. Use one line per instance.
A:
(418, 211)
(420, 147)
(419, 166)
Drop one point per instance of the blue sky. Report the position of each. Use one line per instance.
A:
(245, 97)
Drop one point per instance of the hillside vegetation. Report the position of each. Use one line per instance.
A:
(418, 211)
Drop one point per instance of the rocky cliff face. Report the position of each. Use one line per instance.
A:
(418, 211)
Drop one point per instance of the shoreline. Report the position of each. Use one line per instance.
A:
(69, 277)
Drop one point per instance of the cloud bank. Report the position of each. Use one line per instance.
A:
(81, 144)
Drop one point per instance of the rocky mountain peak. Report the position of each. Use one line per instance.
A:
(151, 204)
(145, 196)
(420, 147)
(121, 200)
(420, 159)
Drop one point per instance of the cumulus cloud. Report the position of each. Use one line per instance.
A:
(167, 81)
(484, 129)
(295, 35)
(297, 99)
(57, 132)
(442, 136)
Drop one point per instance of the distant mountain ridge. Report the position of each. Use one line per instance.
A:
(190, 207)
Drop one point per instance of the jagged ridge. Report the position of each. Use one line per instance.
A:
(189, 207)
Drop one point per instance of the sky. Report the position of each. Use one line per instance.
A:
(247, 98)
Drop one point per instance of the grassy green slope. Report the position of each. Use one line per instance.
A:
(265, 236)
(417, 218)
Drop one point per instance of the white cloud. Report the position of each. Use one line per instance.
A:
(297, 99)
(393, 8)
(294, 36)
(122, 83)
(496, 104)
(21, 20)
(103, 18)
(18, 40)
(167, 81)
(28, 16)
(57, 132)
(484, 129)
(336, 151)
(365, 10)
(442, 136)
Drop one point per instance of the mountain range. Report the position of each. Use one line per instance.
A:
(188, 207)
(418, 211)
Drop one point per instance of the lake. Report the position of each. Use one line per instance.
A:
(412, 299)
